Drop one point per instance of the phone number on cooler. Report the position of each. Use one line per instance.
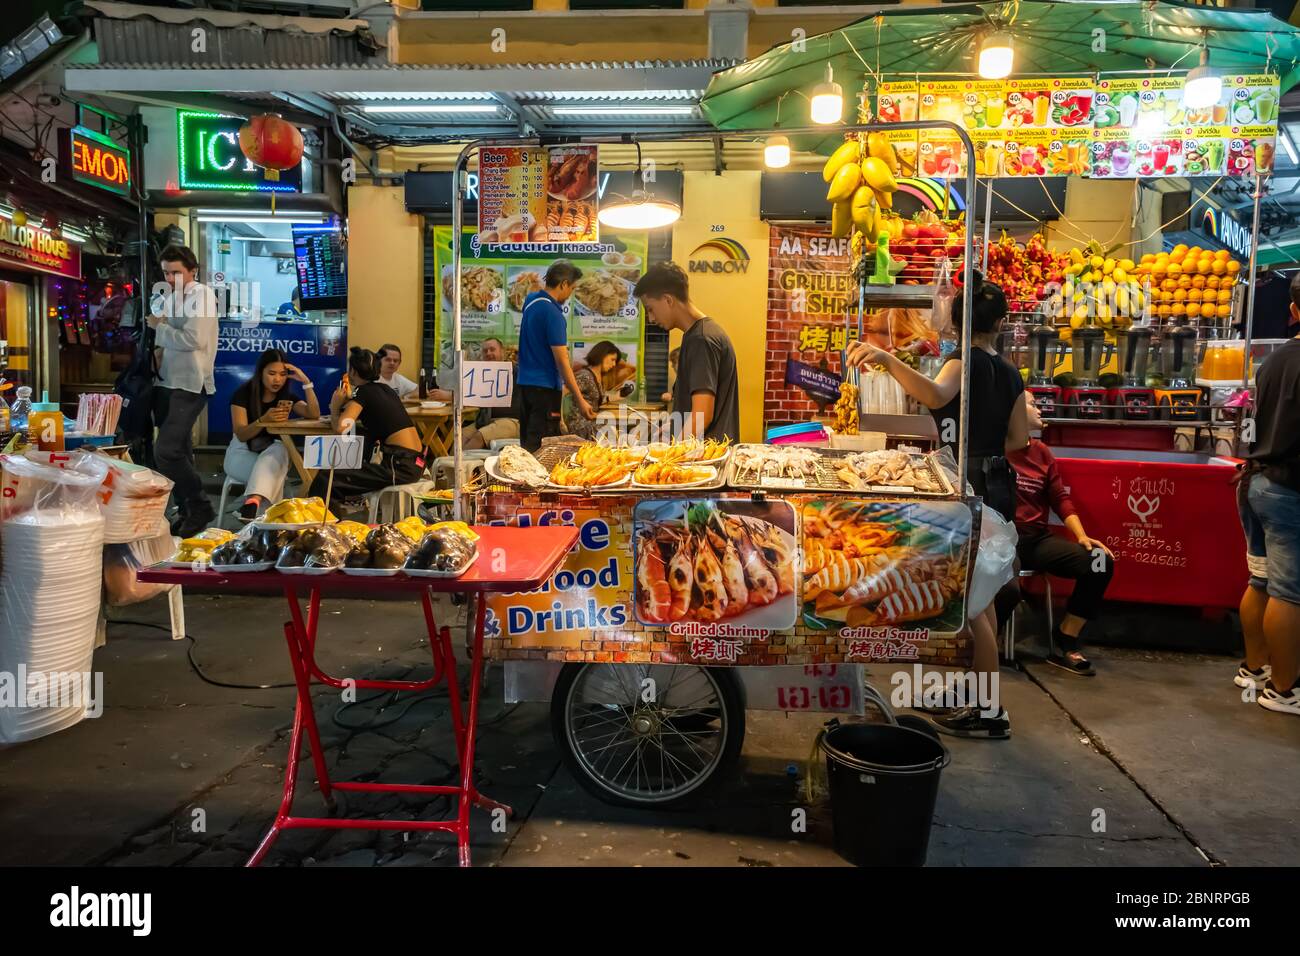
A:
(1146, 544)
(1147, 557)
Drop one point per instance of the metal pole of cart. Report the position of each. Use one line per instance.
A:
(988, 220)
(1249, 325)
(458, 215)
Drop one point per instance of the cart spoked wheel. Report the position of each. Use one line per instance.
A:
(647, 735)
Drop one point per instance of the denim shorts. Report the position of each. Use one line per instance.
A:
(1277, 509)
(1256, 559)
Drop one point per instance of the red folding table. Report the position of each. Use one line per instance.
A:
(510, 560)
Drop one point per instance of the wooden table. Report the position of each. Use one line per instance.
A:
(435, 425)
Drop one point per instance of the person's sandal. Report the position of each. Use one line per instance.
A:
(1072, 662)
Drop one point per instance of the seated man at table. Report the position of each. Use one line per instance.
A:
(254, 456)
(494, 423)
(1039, 492)
(393, 452)
(390, 360)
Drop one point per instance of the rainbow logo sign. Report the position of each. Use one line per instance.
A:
(929, 192)
(719, 256)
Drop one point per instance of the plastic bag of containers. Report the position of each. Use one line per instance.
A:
(122, 561)
(51, 548)
(134, 500)
(994, 562)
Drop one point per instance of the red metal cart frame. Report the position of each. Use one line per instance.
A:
(510, 560)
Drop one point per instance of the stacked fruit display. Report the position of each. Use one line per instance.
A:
(923, 240)
(1027, 273)
(1190, 283)
(1099, 290)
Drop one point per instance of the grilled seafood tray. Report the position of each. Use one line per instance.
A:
(817, 470)
(550, 455)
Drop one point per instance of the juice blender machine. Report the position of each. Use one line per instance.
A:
(1179, 399)
(1044, 357)
(1133, 400)
(1089, 351)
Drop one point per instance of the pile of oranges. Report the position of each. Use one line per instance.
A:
(1190, 283)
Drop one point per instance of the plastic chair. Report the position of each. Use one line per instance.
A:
(226, 487)
(474, 464)
(400, 498)
(496, 444)
(1009, 634)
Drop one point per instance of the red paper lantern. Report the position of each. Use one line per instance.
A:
(272, 143)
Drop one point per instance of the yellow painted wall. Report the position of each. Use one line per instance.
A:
(385, 273)
(1094, 209)
(737, 302)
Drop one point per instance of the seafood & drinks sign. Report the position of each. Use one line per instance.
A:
(727, 580)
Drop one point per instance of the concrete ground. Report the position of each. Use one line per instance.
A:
(1156, 761)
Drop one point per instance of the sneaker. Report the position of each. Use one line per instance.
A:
(249, 511)
(1282, 702)
(1249, 678)
(969, 722)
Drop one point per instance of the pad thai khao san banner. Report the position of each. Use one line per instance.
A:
(496, 278)
(725, 580)
(809, 292)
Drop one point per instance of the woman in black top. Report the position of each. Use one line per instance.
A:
(999, 422)
(254, 456)
(393, 450)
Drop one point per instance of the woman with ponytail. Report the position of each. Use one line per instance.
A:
(393, 452)
(999, 423)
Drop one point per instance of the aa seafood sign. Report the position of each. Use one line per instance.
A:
(32, 247)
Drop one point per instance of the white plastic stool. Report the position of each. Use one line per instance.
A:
(226, 487)
(1009, 635)
(497, 444)
(474, 463)
(396, 501)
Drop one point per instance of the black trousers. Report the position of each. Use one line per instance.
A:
(1055, 555)
(539, 415)
(399, 466)
(176, 411)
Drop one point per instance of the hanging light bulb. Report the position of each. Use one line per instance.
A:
(641, 210)
(776, 152)
(20, 218)
(996, 56)
(827, 100)
(1204, 85)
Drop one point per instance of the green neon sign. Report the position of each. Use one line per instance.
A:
(210, 157)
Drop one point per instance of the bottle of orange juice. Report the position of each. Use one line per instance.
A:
(45, 424)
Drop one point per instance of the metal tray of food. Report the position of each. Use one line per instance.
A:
(926, 464)
(815, 468)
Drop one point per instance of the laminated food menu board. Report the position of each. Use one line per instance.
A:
(532, 195)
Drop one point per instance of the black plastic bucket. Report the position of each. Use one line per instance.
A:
(883, 783)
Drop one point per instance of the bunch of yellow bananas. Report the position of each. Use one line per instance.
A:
(861, 186)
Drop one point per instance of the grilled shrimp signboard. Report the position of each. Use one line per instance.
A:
(727, 580)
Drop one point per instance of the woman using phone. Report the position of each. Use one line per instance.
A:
(393, 452)
(255, 456)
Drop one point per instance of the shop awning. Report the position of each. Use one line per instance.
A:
(1049, 37)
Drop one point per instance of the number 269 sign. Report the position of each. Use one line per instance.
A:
(487, 384)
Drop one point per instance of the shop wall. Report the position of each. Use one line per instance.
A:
(384, 273)
(717, 208)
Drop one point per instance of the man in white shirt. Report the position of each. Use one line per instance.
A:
(390, 360)
(185, 324)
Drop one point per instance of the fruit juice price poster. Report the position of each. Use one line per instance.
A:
(904, 143)
(942, 101)
(1112, 153)
(1251, 100)
(896, 101)
(942, 155)
(1069, 104)
(990, 145)
(1205, 150)
(1250, 150)
(1026, 152)
(1028, 104)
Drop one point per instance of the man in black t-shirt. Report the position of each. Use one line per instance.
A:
(1270, 513)
(706, 400)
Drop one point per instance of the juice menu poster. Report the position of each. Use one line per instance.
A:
(1250, 150)
(531, 195)
(1205, 150)
(896, 101)
(941, 155)
(1147, 106)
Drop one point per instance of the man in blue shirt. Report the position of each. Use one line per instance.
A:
(544, 368)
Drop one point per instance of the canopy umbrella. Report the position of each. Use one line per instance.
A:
(1051, 37)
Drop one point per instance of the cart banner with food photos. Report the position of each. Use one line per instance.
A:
(730, 579)
(497, 277)
(529, 194)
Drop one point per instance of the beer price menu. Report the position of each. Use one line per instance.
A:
(321, 262)
(1103, 127)
(532, 196)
